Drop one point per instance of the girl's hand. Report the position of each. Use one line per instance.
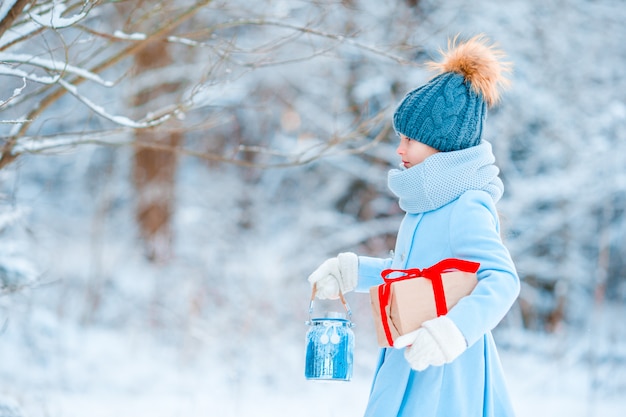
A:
(341, 272)
(437, 342)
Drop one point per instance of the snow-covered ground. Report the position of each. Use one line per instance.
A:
(52, 367)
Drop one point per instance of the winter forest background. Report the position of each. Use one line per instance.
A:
(172, 171)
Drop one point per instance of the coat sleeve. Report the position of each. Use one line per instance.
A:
(475, 236)
(369, 272)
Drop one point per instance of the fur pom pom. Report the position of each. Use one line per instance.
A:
(479, 62)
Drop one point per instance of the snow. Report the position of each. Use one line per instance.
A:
(89, 327)
(77, 371)
(120, 120)
(50, 65)
(129, 36)
(5, 7)
(15, 32)
(54, 17)
(25, 76)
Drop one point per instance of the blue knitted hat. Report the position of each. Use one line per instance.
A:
(449, 111)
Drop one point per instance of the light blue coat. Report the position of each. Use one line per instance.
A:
(473, 385)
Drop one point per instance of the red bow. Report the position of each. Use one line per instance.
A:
(432, 273)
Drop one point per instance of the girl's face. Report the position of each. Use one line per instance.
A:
(413, 152)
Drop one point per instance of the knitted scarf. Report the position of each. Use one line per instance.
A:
(444, 176)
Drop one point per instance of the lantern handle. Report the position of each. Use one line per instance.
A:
(341, 297)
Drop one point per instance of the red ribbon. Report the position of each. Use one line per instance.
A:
(432, 273)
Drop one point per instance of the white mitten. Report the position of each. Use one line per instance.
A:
(334, 274)
(438, 341)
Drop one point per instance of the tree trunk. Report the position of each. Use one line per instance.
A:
(154, 170)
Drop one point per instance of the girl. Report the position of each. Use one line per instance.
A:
(448, 186)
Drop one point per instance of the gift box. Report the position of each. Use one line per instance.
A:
(411, 296)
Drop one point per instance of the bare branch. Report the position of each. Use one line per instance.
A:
(54, 17)
(13, 14)
(51, 65)
(328, 35)
(16, 92)
(8, 155)
(268, 51)
(123, 137)
(121, 120)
